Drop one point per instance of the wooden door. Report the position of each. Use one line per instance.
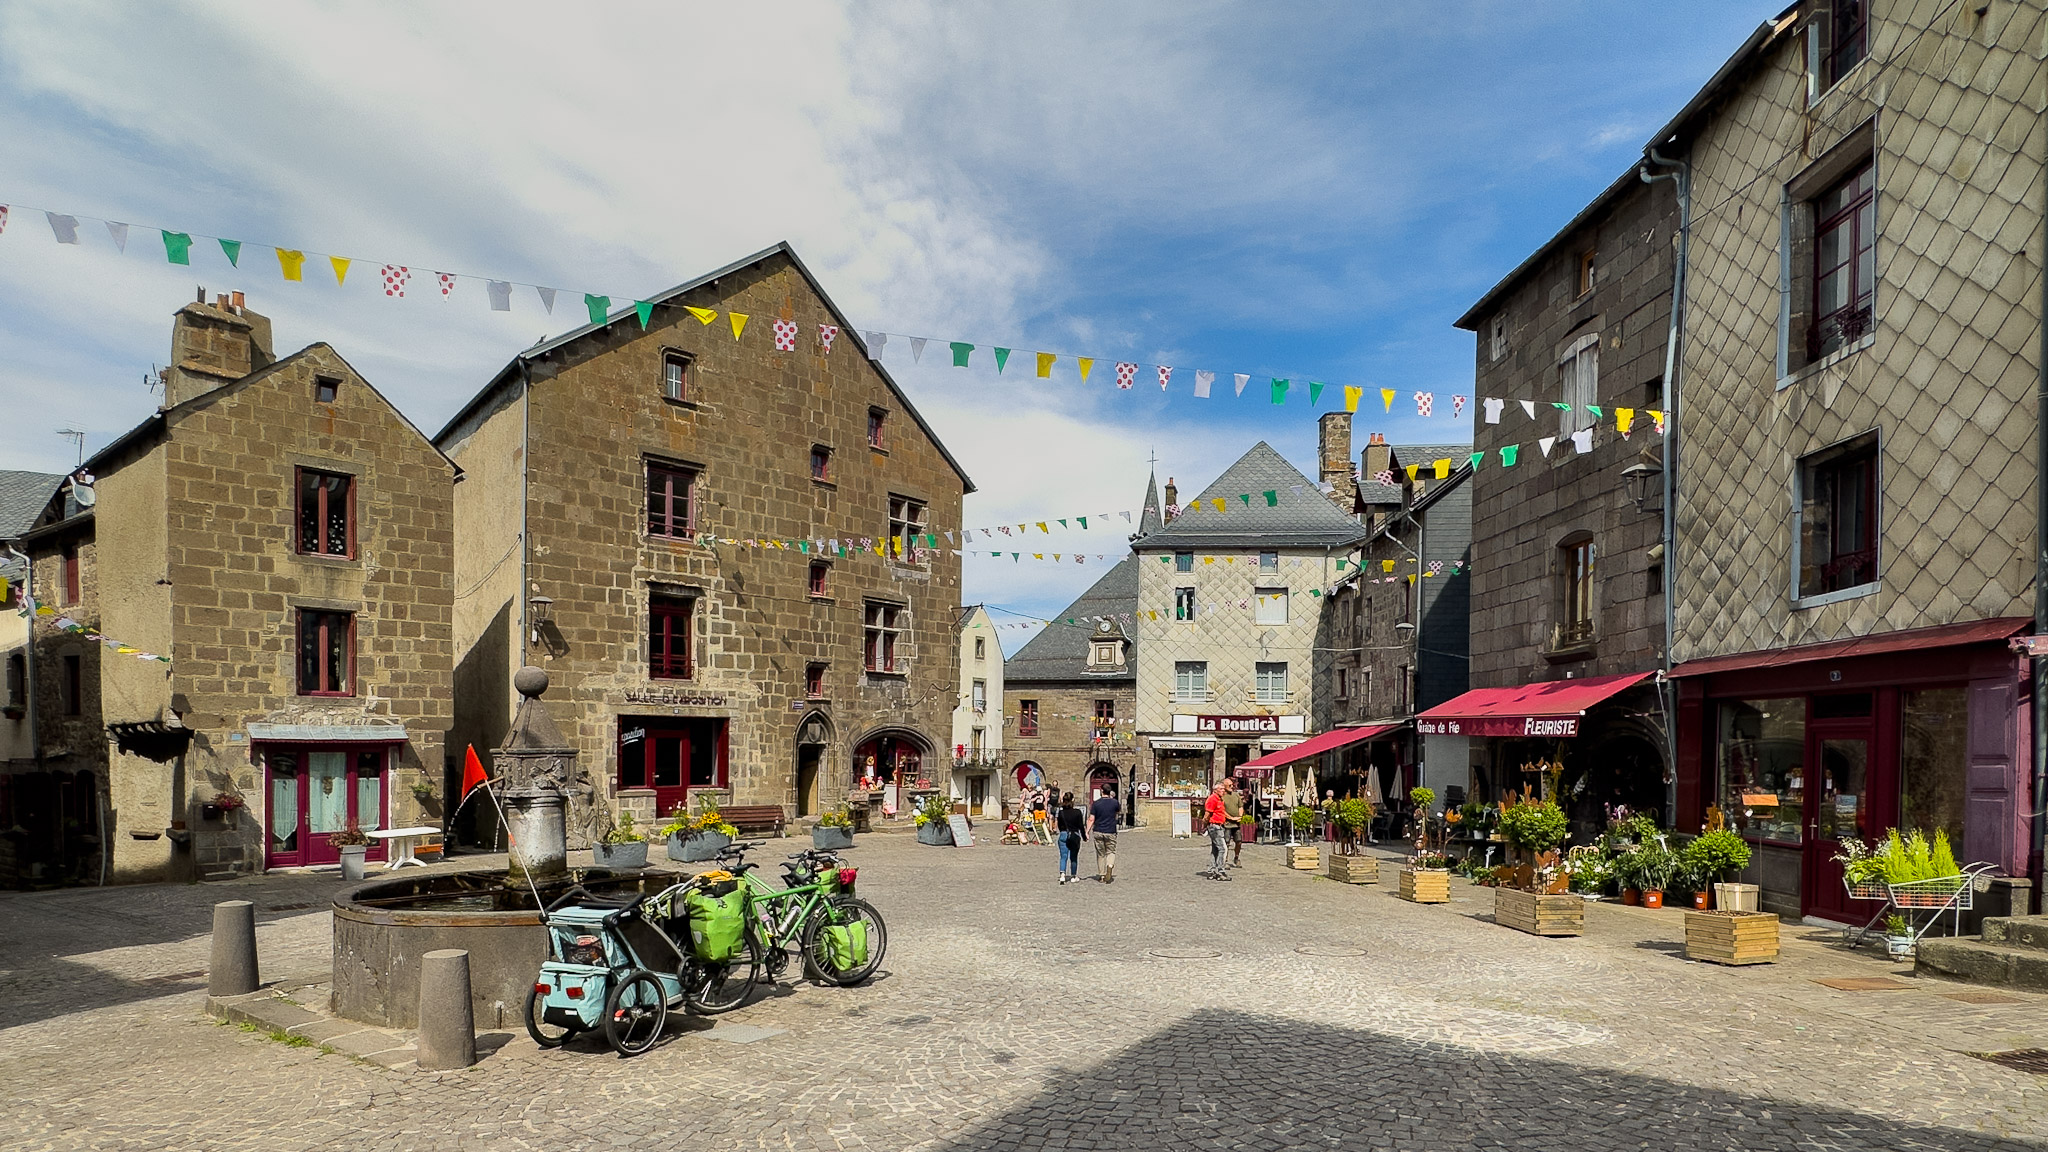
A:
(1846, 798)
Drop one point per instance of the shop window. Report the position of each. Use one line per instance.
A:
(1183, 561)
(1269, 606)
(327, 653)
(887, 758)
(671, 492)
(1837, 528)
(1270, 685)
(884, 628)
(906, 524)
(1190, 681)
(1027, 717)
(1760, 766)
(1578, 384)
(675, 377)
(1844, 263)
(327, 513)
(1182, 774)
(1933, 761)
(1183, 603)
(668, 636)
(814, 681)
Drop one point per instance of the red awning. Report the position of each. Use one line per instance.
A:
(1545, 708)
(1334, 738)
(1943, 636)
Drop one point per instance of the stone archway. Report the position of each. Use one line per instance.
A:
(890, 755)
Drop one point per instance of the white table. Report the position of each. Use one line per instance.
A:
(400, 843)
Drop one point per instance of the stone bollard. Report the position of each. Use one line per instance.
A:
(233, 968)
(447, 1024)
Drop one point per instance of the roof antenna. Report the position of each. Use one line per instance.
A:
(77, 438)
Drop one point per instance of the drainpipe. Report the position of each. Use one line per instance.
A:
(1681, 181)
(2040, 669)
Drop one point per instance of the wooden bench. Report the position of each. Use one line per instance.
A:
(767, 818)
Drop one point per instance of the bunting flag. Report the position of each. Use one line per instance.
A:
(960, 353)
(1529, 406)
(446, 281)
(292, 263)
(1623, 419)
(1315, 391)
(232, 249)
(340, 265)
(1425, 402)
(1002, 360)
(119, 233)
(1545, 443)
(1387, 398)
(1508, 454)
(785, 335)
(704, 315)
(547, 298)
(1457, 406)
(1203, 382)
(1165, 374)
(1443, 468)
(644, 309)
(3, 218)
(1351, 396)
(599, 307)
(1045, 360)
(177, 247)
(1086, 365)
(1242, 380)
(65, 228)
(917, 344)
(826, 334)
(1126, 374)
(738, 320)
(1279, 390)
(876, 342)
(395, 278)
(500, 292)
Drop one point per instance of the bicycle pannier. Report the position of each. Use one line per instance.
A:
(847, 945)
(717, 925)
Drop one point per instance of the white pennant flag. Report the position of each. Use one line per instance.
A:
(120, 234)
(1545, 444)
(876, 342)
(1242, 380)
(501, 295)
(1583, 440)
(547, 299)
(1529, 406)
(1202, 382)
(66, 227)
(917, 349)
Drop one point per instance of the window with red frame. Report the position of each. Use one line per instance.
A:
(1027, 717)
(1844, 262)
(819, 572)
(814, 681)
(877, 418)
(1845, 40)
(327, 513)
(668, 636)
(821, 462)
(327, 653)
(73, 576)
(883, 629)
(670, 500)
(1838, 521)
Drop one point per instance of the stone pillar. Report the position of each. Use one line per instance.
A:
(447, 1024)
(536, 834)
(232, 970)
(537, 769)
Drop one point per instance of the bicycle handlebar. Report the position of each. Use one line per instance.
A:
(613, 918)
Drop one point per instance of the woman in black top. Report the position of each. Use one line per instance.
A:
(1073, 828)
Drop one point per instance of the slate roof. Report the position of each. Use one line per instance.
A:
(1060, 650)
(23, 496)
(1404, 455)
(1305, 519)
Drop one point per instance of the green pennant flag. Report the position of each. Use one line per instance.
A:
(1477, 459)
(1272, 498)
(178, 247)
(1246, 497)
(1562, 407)
(960, 352)
(1279, 391)
(803, 546)
(1315, 591)
(233, 249)
(1084, 522)
(1507, 455)
(1315, 391)
(598, 306)
(1341, 564)
(1002, 358)
(1166, 559)
(1594, 409)
(645, 310)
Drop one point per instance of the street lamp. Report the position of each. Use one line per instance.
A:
(1641, 478)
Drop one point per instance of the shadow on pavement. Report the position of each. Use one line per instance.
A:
(1234, 1080)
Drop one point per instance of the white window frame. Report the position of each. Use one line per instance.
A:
(1269, 606)
(1578, 381)
(1270, 679)
(1190, 681)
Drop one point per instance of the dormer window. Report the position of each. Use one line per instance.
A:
(1105, 648)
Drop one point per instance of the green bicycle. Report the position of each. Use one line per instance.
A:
(840, 937)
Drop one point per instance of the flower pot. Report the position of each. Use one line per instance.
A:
(697, 847)
(1738, 897)
(1701, 901)
(827, 839)
(1653, 898)
(1630, 897)
(352, 861)
(1898, 947)
(632, 854)
(936, 834)
(1731, 937)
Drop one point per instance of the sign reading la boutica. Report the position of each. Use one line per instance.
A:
(1250, 725)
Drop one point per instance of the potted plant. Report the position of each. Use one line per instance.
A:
(1248, 827)
(1427, 877)
(1347, 865)
(353, 843)
(1533, 827)
(1654, 867)
(1711, 858)
(933, 819)
(1898, 936)
(695, 839)
(1534, 895)
(622, 845)
(222, 806)
(1624, 865)
(833, 831)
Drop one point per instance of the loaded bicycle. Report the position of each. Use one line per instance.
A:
(840, 937)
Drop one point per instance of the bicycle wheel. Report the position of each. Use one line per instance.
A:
(544, 1034)
(635, 1013)
(818, 962)
(710, 988)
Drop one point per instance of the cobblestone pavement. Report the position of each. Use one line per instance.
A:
(1278, 1011)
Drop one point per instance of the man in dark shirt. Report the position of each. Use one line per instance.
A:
(1102, 818)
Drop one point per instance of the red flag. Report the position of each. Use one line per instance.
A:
(472, 772)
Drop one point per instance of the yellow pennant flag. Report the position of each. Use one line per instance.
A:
(1443, 468)
(1045, 360)
(1351, 396)
(1038, 555)
(704, 315)
(341, 264)
(1386, 565)
(1624, 418)
(1208, 559)
(1086, 364)
(1220, 504)
(292, 263)
(1387, 398)
(1042, 527)
(1412, 470)
(739, 323)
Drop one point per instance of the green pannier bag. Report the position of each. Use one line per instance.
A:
(847, 945)
(717, 925)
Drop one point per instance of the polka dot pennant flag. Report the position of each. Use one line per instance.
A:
(1126, 374)
(395, 278)
(785, 335)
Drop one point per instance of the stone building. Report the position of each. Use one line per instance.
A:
(1071, 690)
(978, 716)
(726, 554)
(1856, 419)
(1568, 576)
(50, 784)
(1230, 616)
(266, 572)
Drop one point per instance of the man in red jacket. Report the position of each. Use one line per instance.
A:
(1219, 846)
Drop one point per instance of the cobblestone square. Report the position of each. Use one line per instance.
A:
(1277, 1011)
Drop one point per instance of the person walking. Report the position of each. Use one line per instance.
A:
(1233, 810)
(1073, 828)
(1103, 815)
(1040, 798)
(1213, 811)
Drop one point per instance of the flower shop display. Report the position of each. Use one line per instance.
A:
(1534, 893)
(1711, 858)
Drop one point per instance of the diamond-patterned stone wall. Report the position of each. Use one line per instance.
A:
(1947, 377)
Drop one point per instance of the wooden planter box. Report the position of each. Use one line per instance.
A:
(1563, 914)
(1302, 857)
(1354, 869)
(1426, 886)
(1731, 937)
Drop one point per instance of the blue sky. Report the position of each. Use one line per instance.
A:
(1297, 190)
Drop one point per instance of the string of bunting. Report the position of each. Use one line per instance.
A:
(396, 280)
(31, 609)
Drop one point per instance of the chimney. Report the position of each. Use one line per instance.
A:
(1378, 457)
(1172, 500)
(214, 344)
(1334, 433)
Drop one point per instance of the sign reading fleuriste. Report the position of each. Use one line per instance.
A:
(1248, 725)
(1501, 726)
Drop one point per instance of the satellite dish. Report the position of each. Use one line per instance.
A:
(84, 494)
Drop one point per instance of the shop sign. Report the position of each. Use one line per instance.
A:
(1501, 726)
(674, 696)
(1162, 744)
(1249, 725)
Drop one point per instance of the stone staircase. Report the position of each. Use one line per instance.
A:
(2011, 953)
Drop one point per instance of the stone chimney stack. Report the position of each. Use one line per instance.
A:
(1334, 433)
(214, 344)
(1172, 500)
(1377, 458)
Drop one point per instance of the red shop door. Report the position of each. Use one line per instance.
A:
(1851, 793)
(314, 792)
(651, 757)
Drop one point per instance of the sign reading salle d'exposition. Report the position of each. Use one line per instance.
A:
(1500, 726)
(1247, 725)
